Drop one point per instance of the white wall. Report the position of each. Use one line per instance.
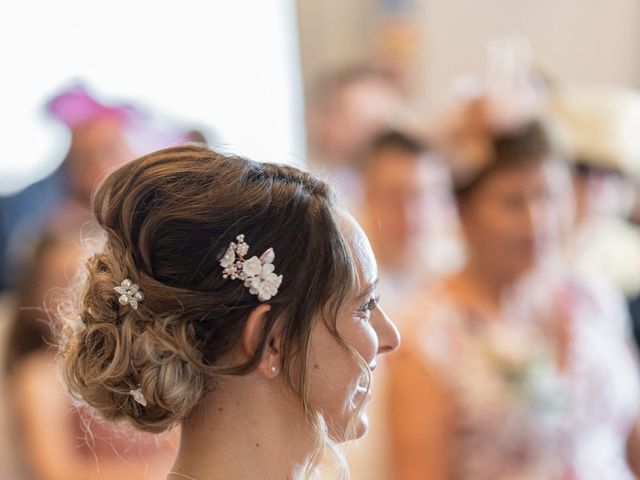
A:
(581, 40)
(587, 40)
(232, 65)
(334, 34)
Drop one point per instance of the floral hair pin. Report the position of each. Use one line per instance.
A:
(256, 273)
(138, 396)
(130, 293)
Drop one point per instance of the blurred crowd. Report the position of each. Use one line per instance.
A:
(45, 234)
(507, 233)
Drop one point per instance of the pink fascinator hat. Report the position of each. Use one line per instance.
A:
(75, 106)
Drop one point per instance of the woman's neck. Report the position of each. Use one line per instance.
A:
(481, 288)
(246, 428)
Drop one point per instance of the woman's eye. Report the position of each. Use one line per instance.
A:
(368, 307)
(373, 303)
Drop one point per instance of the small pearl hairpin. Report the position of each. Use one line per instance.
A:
(130, 293)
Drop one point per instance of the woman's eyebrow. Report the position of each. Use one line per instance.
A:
(369, 288)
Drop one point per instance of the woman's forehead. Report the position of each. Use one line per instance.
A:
(365, 262)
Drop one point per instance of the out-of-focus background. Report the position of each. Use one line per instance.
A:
(490, 149)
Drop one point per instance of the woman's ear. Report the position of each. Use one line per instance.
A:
(270, 363)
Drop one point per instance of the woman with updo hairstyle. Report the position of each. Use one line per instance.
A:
(235, 299)
(513, 368)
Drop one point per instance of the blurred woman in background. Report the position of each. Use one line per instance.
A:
(42, 224)
(57, 441)
(600, 126)
(512, 368)
(60, 201)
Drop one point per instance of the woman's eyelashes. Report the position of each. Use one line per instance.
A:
(365, 310)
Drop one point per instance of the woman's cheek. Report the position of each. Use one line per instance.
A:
(364, 339)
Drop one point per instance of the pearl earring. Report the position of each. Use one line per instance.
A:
(273, 369)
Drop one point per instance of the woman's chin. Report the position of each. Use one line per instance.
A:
(358, 430)
(362, 421)
(362, 426)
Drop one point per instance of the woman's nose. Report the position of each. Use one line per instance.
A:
(388, 335)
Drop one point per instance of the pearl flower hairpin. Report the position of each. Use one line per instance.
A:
(130, 293)
(257, 273)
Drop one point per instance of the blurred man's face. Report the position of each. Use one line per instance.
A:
(97, 147)
(357, 112)
(400, 187)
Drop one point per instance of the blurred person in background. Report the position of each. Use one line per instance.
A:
(598, 126)
(55, 440)
(61, 200)
(404, 211)
(47, 219)
(513, 367)
(196, 136)
(347, 110)
(408, 213)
